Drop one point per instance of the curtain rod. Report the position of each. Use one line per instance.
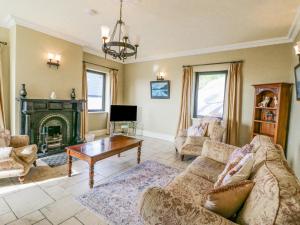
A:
(3, 43)
(216, 63)
(100, 65)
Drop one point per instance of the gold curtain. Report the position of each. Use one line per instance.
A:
(113, 76)
(2, 113)
(186, 98)
(84, 114)
(234, 103)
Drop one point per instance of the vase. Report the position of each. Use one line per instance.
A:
(23, 92)
(73, 94)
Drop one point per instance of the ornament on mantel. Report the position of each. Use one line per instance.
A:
(52, 95)
(23, 92)
(73, 94)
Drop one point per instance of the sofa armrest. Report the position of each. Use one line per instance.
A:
(19, 141)
(217, 151)
(195, 140)
(182, 133)
(13, 162)
(159, 206)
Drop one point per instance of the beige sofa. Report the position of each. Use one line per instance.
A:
(274, 199)
(19, 160)
(192, 146)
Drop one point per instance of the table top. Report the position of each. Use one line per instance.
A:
(105, 145)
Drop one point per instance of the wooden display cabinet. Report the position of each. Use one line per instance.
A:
(272, 119)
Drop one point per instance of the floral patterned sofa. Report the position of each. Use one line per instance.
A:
(274, 199)
(192, 146)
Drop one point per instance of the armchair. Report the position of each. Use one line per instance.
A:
(17, 158)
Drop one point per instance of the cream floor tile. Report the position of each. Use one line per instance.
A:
(56, 192)
(43, 222)
(3, 207)
(7, 217)
(61, 210)
(71, 221)
(28, 200)
(89, 218)
(29, 219)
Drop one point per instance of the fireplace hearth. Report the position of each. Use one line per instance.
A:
(51, 124)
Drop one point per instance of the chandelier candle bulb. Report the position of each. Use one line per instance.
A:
(105, 31)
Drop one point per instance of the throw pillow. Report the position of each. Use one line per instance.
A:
(227, 200)
(241, 171)
(234, 159)
(197, 130)
(217, 133)
(5, 153)
(4, 138)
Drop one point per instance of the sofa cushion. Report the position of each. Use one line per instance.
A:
(217, 133)
(4, 138)
(197, 130)
(227, 200)
(206, 168)
(190, 187)
(5, 153)
(27, 154)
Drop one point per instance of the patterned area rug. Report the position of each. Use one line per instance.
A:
(117, 199)
(57, 159)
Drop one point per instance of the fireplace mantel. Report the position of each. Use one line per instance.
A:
(35, 111)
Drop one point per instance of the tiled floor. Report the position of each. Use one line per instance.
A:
(47, 197)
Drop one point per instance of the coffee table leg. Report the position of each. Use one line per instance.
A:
(139, 154)
(91, 175)
(69, 166)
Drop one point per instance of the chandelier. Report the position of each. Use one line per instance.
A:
(118, 45)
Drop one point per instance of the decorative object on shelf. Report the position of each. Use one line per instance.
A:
(271, 120)
(297, 81)
(119, 45)
(54, 60)
(161, 76)
(275, 99)
(160, 89)
(23, 92)
(73, 94)
(265, 102)
(297, 49)
(52, 95)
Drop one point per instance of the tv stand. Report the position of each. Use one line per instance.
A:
(127, 128)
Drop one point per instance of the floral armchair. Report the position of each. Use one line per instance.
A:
(16, 155)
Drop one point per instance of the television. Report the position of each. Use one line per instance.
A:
(123, 113)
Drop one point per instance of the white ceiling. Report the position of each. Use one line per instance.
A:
(166, 27)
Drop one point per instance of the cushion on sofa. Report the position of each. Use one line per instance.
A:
(241, 171)
(217, 133)
(5, 153)
(197, 130)
(206, 168)
(227, 200)
(4, 138)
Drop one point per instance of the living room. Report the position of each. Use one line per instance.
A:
(103, 130)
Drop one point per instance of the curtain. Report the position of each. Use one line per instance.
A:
(84, 114)
(186, 98)
(2, 113)
(234, 102)
(113, 76)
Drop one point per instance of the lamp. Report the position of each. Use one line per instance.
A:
(161, 76)
(297, 49)
(53, 59)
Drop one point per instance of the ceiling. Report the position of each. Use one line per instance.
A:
(167, 28)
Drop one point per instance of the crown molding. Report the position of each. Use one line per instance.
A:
(295, 27)
(223, 48)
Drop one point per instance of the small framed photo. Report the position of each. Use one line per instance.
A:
(160, 89)
(297, 81)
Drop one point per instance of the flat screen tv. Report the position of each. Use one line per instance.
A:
(123, 113)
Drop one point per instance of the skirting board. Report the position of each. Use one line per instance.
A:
(162, 136)
(98, 132)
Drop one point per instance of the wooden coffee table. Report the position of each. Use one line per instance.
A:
(95, 151)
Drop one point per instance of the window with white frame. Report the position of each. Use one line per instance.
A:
(96, 91)
(209, 97)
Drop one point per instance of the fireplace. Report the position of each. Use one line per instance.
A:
(51, 124)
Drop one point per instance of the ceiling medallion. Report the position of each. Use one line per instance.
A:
(119, 45)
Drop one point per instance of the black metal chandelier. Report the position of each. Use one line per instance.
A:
(119, 45)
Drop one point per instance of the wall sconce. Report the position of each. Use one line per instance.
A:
(161, 76)
(297, 49)
(53, 60)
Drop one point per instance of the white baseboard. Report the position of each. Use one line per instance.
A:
(162, 136)
(98, 132)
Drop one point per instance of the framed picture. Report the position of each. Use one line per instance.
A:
(160, 89)
(297, 81)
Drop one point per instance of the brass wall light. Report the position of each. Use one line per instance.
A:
(54, 60)
(161, 76)
(297, 49)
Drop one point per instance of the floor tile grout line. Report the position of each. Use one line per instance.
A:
(10, 209)
(45, 217)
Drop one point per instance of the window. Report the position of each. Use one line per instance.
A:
(209, 94)
(96, 91)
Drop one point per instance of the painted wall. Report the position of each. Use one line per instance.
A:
(294, 131)
(261, 65)
(98, 121)
(4, 36)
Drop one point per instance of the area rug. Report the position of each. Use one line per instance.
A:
(57, 159)
(116, 200)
